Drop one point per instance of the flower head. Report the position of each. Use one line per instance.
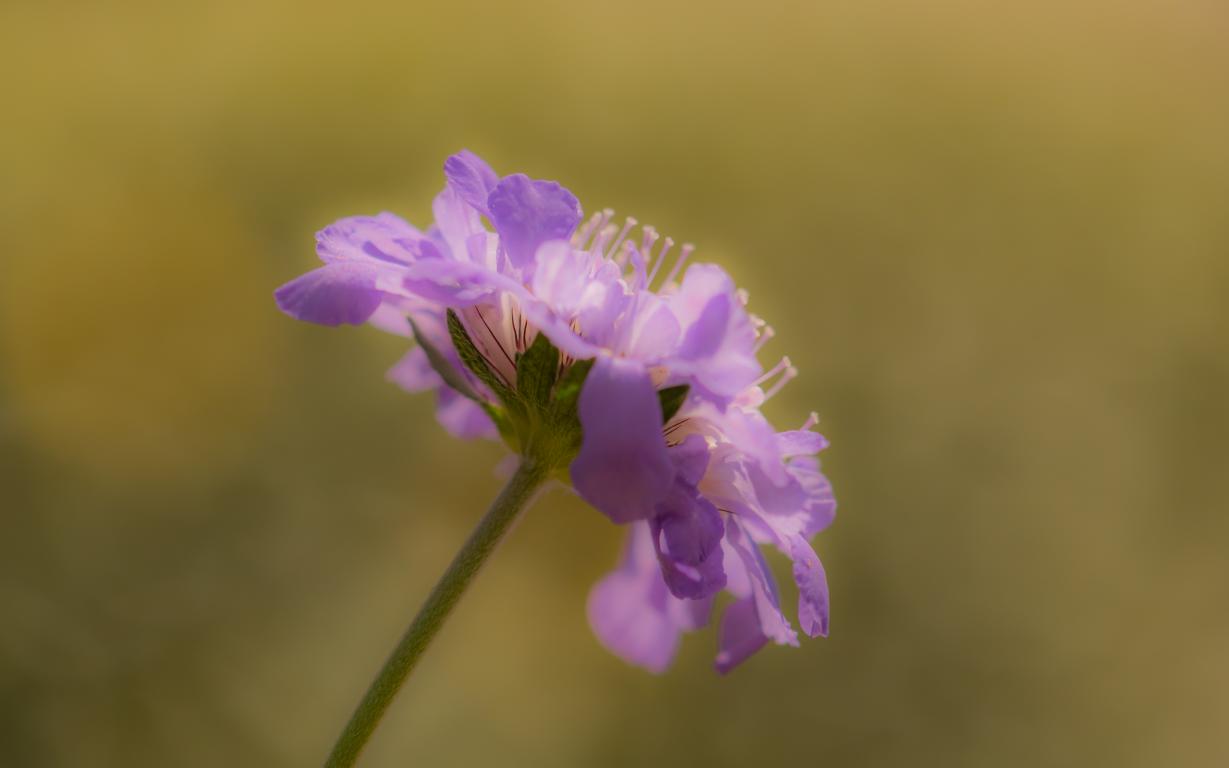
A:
(577, 346)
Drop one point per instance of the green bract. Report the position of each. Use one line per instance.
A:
(538, 417)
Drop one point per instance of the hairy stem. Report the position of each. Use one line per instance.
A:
(515, 496)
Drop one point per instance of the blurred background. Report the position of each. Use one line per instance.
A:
(993, 236)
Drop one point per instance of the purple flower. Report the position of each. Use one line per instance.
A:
(574, 345)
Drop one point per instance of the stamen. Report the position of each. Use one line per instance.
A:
(641, 257)
(743, 296)
(598, 226)
(586, 229)
(648, 239)
(765, 336)
(783, 364)
(811, 421)
(624, 253)
(603, 237)
(661, 258)
(627, 225)
(687, 249)
(789, 374)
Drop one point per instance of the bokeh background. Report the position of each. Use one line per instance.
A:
(993, 236)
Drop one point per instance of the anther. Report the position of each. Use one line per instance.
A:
(765, 336)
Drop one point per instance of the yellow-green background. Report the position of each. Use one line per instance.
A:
(993, 236)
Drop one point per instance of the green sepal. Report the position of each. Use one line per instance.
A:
(507, 430)
(564, 419)
(474, 361)
(442, 366)
(567, 389)
(536, 370)
(538, 417)
(671, 400)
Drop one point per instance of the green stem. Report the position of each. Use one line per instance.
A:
(515, 496)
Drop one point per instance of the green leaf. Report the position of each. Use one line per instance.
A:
(671, 400)
(536, 370)
(474, 360)
(442, 366)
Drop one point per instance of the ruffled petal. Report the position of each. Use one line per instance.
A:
(562, 275)
(384, 238)
(455, 221)
(472, 179)
(335, 294)
(622, 469)
(457, 284)
(718, 342)
(528, 212)
(652, 330)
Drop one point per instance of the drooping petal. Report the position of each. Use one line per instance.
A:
(812, 587)
(633, 614)
(413, 372)
(622, 468)
(462, 417)
(472, 178)
(820, 505)
(740, 635)
(691, 457)
(337, 293)
(687, 528)
(687, 533)
(773, 623)
(528, 212)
